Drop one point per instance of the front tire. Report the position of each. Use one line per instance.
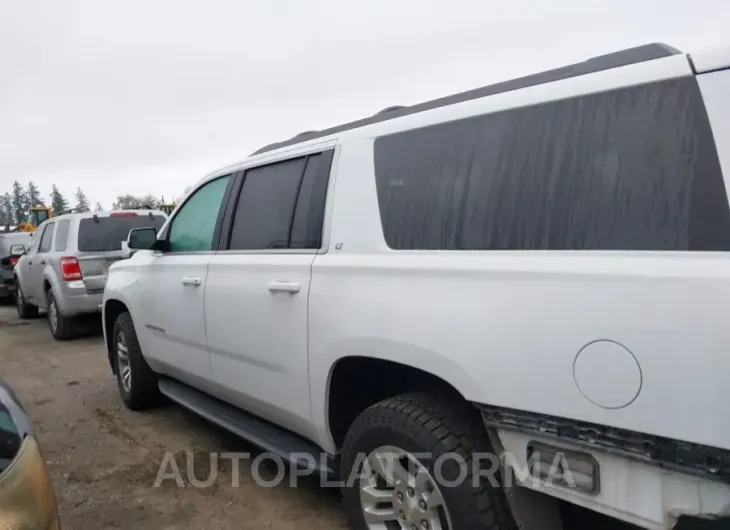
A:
(25, 310)
(409, 461)
(61, 327)
(136, 380)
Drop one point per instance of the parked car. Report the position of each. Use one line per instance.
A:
(538, 269)
(12, 246)
(27, 499)
(65, 269)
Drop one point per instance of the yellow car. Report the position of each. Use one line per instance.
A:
(27, 500)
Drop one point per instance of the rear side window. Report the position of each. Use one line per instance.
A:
(281, 205)
(309, 211)
(265, 207)
(61, 235)
(106, 233)
(46, 238)
(630, 169)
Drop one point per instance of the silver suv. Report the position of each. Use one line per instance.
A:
(65, 268)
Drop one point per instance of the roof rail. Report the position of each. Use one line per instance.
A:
(386, 110)
(639, 54)
(305, 133)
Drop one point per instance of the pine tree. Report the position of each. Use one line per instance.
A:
(58, 201)
(82, 203)
(19, 204)
(34, 195)
(6, 210)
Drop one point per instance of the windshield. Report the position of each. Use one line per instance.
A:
(103, 234)
(38, 216)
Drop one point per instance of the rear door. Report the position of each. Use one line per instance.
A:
(257, 290)
(33, 285)
(99, 242)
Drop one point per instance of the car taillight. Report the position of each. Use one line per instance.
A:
(70, 269)
(13, 260)
(123, 214)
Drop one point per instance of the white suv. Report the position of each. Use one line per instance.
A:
(538, 269)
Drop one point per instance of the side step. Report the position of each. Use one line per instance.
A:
(284, 444)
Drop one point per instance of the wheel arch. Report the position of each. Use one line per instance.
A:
(347, 379)
(50, 282)
(112, 308)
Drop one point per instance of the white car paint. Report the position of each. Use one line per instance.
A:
(504, 328)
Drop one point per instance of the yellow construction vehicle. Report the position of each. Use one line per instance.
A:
(38, 214)
(168, 208)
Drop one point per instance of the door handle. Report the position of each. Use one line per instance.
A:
(192, 281)
(285, 287)
(30, 262)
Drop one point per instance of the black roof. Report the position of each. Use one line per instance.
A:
(626, 57)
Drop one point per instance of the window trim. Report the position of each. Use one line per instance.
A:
(164, 234)
(230, 210)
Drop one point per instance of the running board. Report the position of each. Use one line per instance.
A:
(290, 447)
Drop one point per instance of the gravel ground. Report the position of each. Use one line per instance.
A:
(104, 459)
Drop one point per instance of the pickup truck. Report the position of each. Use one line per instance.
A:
(475, 310)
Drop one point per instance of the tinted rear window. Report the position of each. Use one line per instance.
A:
(107, 233)
(629, 169)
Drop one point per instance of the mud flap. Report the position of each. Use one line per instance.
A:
(530, 509)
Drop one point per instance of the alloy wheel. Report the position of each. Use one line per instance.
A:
(398, 492)
(53, 315)
(125, 370)
(19, 302)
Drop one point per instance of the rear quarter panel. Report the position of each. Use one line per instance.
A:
(505, 328)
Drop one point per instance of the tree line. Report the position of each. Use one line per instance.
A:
(15, 205)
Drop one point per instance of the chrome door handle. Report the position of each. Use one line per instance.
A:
(192, 281)
(284, 287)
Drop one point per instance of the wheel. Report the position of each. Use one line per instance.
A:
(24, 309)
(402, 461)
(137, 382)
(61, 327)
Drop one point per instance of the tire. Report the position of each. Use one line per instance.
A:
(422, 423)
(141, 391)
(25, 310)
(60, 326)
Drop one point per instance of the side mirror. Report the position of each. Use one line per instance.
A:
(126, 252)
(142, 238)
(17, 250)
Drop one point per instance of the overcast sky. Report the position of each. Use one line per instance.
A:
(146, 96)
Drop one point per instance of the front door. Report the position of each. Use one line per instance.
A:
(172, 313)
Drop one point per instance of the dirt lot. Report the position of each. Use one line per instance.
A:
(104, 459)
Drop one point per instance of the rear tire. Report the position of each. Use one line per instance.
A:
(136, 380)
(25, 310)
(450, 432)
(61, 327)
